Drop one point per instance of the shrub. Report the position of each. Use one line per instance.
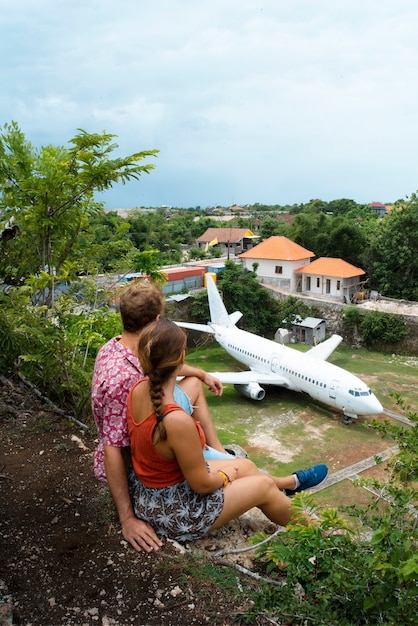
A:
(387, 327)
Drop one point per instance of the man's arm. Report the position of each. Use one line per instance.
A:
(212, 383)
(139, 534)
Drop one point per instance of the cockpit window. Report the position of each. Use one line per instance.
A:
(357, 392)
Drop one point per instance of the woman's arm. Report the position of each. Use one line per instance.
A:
(184, 441)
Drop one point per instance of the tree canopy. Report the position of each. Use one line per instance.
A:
(391, 258)
(49, 193)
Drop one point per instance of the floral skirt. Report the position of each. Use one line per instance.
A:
(177, 511)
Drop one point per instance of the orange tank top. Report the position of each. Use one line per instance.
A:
(151, 468)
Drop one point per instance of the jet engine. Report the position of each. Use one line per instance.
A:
(252, 390)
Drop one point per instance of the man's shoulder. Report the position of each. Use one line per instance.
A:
(116, 365)
(111, 350)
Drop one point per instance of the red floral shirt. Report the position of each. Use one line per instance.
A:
(116, 370)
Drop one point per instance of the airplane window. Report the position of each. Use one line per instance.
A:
(351, 392)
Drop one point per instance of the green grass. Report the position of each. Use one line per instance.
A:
(286, 431)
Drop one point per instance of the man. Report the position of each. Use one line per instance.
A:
(116, 370)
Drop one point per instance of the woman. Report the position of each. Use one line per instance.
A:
(180, 494)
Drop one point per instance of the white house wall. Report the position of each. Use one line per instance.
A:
(329, 286)
(268, 271)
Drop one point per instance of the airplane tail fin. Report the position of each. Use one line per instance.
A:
(218, 313)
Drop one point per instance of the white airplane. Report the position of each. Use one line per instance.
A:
(271, 363)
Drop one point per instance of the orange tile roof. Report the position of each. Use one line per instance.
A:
(223, 235)
(326, 266)
(279, 249)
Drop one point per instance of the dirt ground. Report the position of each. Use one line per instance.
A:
(63, 559)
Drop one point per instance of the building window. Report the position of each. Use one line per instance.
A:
(328, 286)
(338, 285)
(308, 283)
(318, 282)
(279, 269)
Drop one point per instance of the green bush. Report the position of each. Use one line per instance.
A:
(352, 316)
(53, 350)
(387, 327)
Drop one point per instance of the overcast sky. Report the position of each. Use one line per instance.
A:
(272, 101)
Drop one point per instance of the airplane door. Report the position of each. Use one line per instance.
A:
(275, 363)
(333, 389)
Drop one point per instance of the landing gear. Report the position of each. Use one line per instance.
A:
(349, 417)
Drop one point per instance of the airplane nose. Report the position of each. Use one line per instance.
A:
(375, 406)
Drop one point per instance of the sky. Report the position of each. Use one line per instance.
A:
(268, 102)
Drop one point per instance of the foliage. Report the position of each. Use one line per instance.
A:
(241, 291)
(271, 227)
(386, 327)
(50, 194)
(352, 316)
(340, 236)
(196, 254)
(147, 262)
(199, 309)
(348, 579)
(108, 247)
(292, 310)
(391, 258)
(55, 352)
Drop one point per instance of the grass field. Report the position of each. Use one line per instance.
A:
(286, 431)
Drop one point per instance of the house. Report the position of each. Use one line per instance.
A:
(330, 277)
(379, 208)
(278, 258)
(231, 241)
(311, 330)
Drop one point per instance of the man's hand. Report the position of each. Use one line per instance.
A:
(213, 384)
(140, 535)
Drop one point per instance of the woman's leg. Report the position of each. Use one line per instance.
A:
(238, 467)
(254, 491)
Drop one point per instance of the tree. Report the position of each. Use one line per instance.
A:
(104, 244)
(342, 206)
(346, 240)
(241, 291)
(50, 193)
(392, 257)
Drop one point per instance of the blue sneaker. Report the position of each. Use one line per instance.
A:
(309, 478)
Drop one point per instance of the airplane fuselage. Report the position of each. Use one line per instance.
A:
(300, 372)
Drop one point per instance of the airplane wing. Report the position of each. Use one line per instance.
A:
(324, 349)
(250, 376)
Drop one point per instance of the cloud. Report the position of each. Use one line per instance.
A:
(247, 101)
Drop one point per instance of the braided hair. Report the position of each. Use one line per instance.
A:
(161, 348)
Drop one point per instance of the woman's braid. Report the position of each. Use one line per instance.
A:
(156, 395)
